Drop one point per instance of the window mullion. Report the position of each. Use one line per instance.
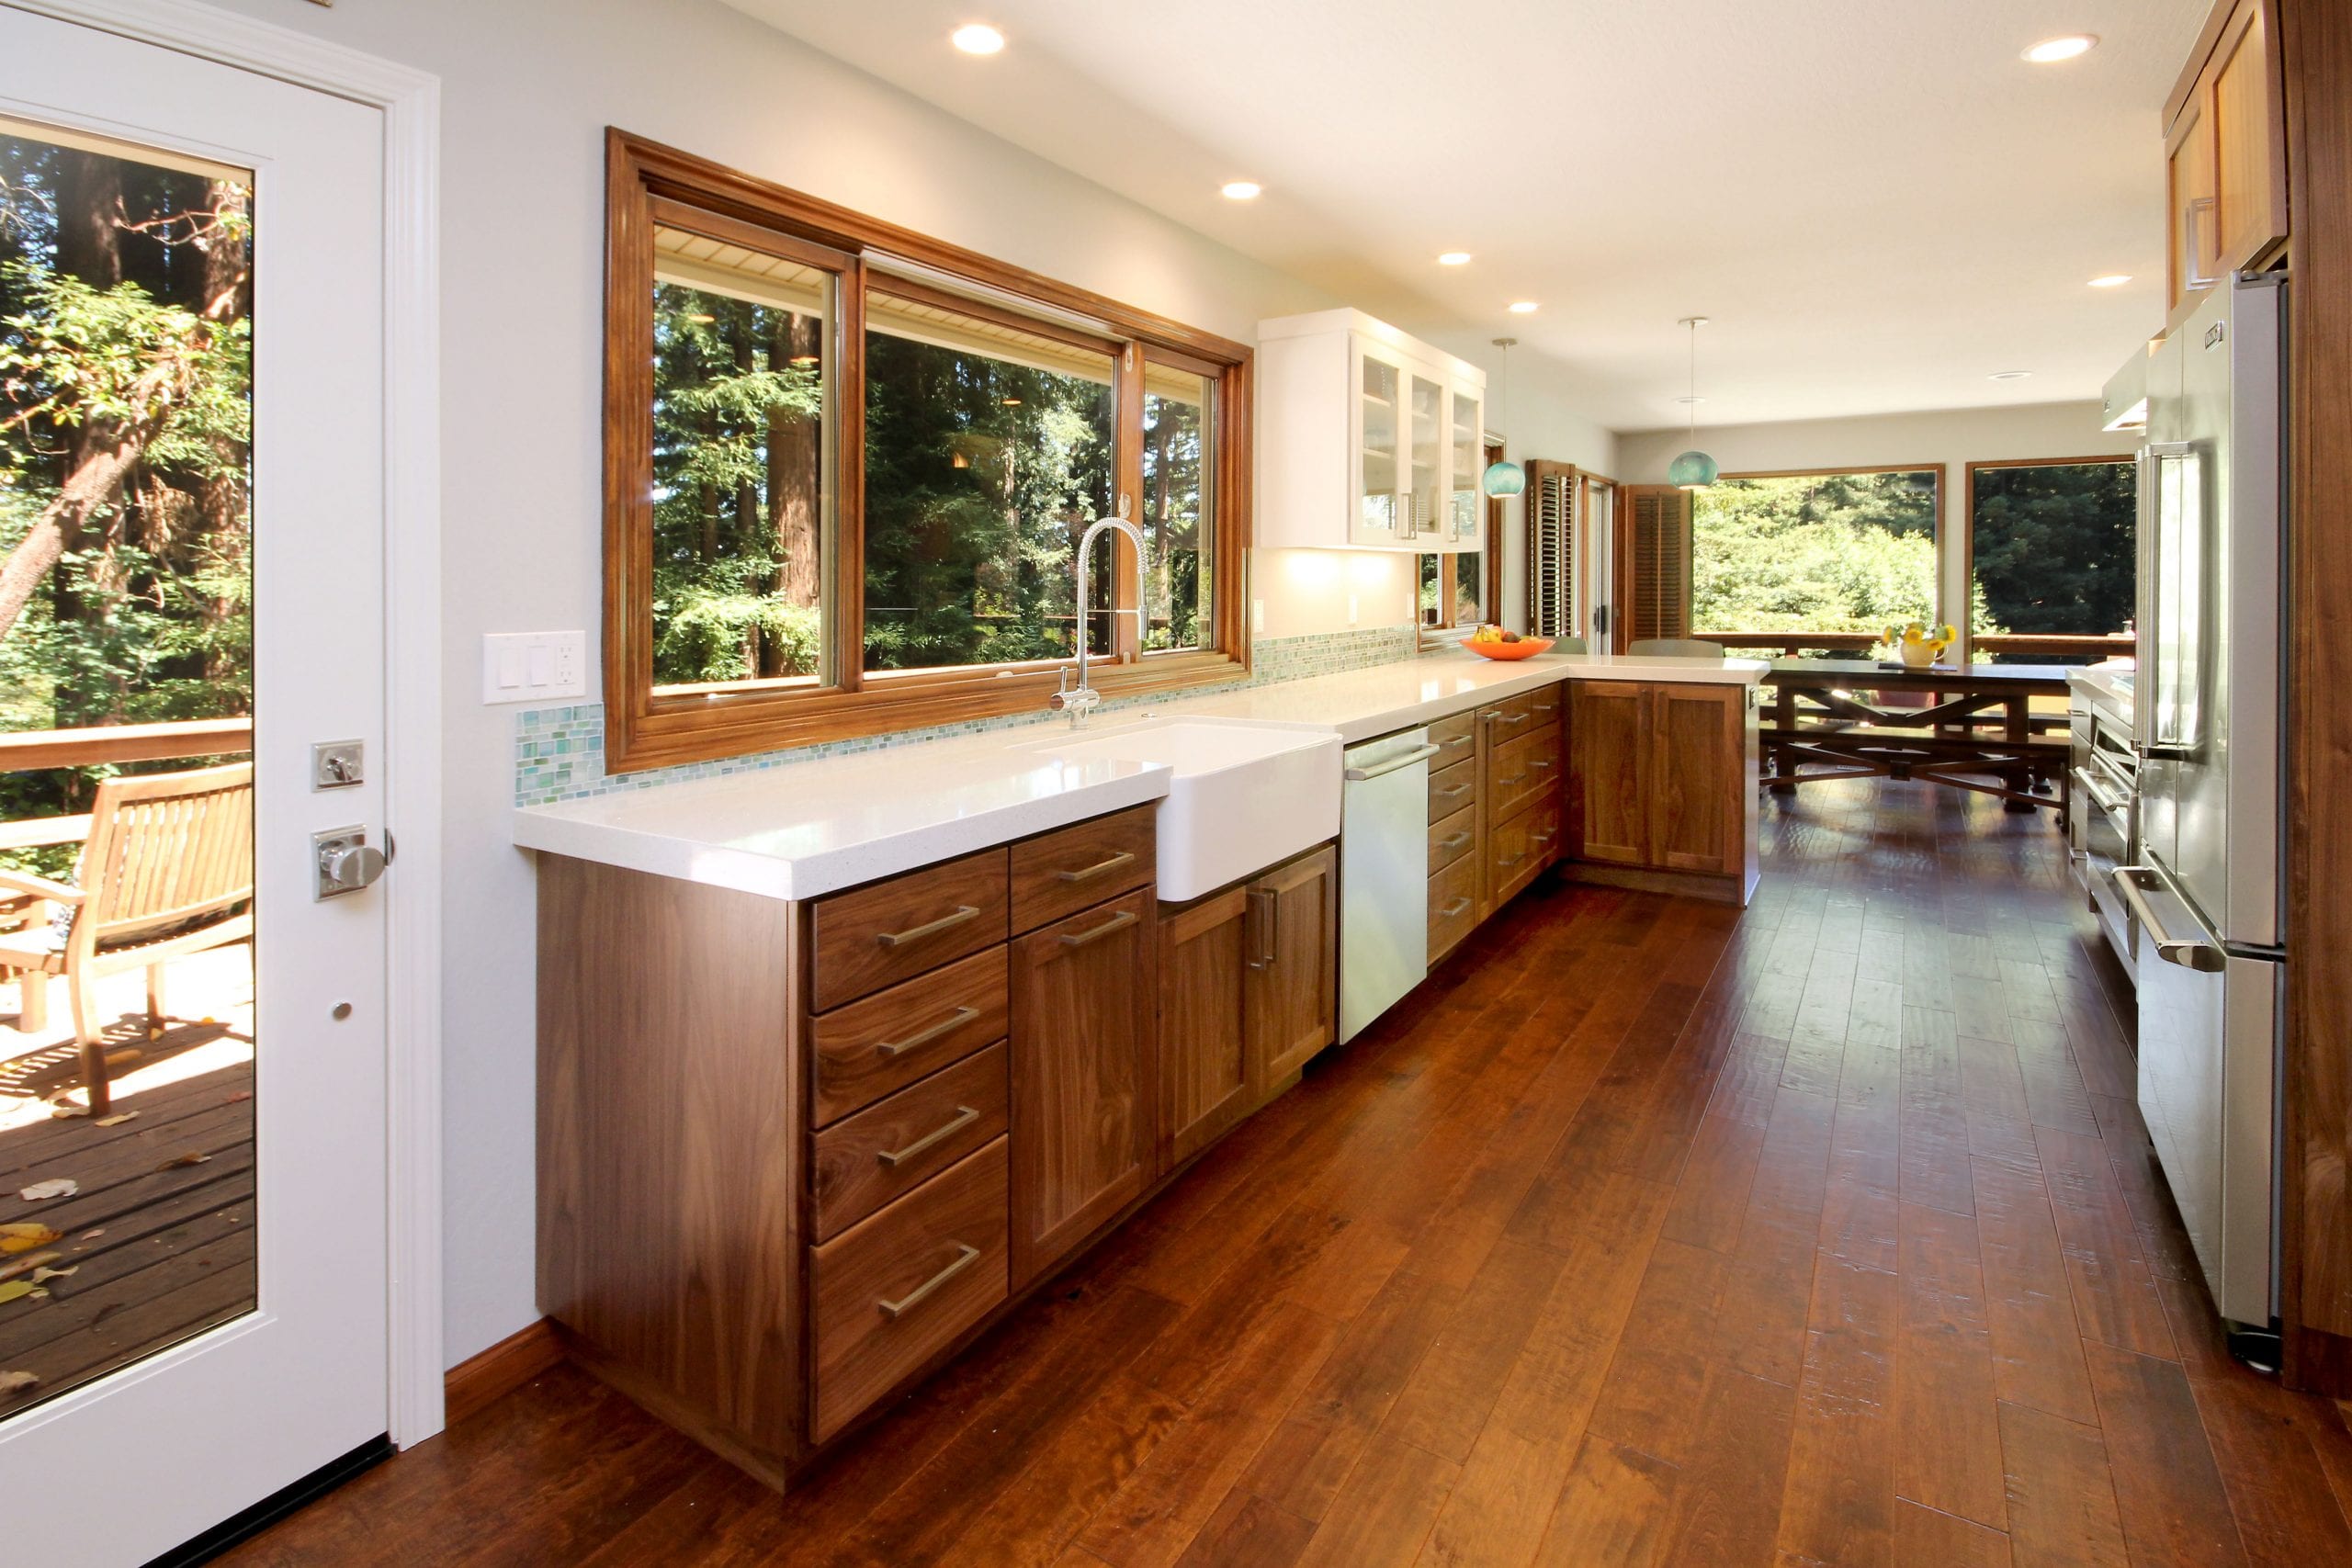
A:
(1127, 492)
(845, 562)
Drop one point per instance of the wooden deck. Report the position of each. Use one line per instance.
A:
(1648, 1233)
(159, 1236)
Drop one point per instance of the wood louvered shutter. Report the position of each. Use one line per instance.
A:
(1553, 525)
(1652, 563)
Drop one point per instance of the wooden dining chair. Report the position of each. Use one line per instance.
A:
(167, 870)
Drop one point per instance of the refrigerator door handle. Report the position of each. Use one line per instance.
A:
(2189, 952)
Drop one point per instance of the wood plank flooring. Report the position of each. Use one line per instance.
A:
(1646, 1232)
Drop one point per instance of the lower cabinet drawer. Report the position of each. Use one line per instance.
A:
(1453, 906)
(885, 1151)
(1453, 839)
(867, 1049)
(897, 1288)
(1523, 769)
(1454, 787)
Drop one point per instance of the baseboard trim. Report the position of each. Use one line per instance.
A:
(1681, 883)
(506, 1365)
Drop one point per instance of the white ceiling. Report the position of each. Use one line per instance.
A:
(1877, 201)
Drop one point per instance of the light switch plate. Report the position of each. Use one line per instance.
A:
(532, 666)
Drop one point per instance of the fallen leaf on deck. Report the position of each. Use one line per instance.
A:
(17, 1382)
(23, 1236)
(57, 1187)
(115, 1121)
(90, 1235)
(42, 1275)
(9, 1271)
(241, 1094)
(187, 1159)
(12, 1288)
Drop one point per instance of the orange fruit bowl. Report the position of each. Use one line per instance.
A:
(1525, 647)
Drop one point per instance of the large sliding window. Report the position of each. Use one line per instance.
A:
(848, 469)
(1841, 553)
(2054, 557)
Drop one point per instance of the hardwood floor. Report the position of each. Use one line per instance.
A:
(1647, 1231)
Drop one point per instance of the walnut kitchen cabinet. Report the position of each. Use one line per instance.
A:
(1083, 1023)
(1248, 994)
(1662, 781)
(2225, 155)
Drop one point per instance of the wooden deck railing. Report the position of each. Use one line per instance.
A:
(31, 748)
(2047, 645)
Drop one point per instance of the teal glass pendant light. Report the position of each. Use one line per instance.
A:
(1693, 470)
(1502, 477)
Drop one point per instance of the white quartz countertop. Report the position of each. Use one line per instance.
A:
(1361, 704)
(806, 829)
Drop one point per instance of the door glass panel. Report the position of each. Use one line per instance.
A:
(1429, 455)
(1382, 426)
(127, 1054)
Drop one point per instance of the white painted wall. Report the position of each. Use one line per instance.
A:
(529, 86)
(1954, 438)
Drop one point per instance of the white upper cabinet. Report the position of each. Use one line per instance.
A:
(1367, 439)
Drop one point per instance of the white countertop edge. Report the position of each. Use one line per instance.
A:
(829, 871)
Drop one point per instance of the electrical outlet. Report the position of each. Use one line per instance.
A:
(531, 667)
(1352, 609)
(1257, 617)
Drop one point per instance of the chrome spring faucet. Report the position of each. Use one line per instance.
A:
(1082, 699)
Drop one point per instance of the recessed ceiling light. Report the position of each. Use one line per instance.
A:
(1453, 258)
(2051, 50)
(1241, 190)
(2009, 375)
(2111, 280)
(977, 38)
(1523, 307)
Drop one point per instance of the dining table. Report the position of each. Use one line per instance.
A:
(1971, 727)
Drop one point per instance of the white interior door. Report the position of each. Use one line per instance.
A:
(158, 1450)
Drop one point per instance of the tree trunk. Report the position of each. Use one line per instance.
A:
(110, 450)
(793, 473)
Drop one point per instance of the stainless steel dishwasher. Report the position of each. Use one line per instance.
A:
(1383, 875)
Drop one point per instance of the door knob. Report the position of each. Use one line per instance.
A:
(345, 862)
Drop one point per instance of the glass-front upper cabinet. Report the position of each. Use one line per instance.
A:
(1467, 449)
(1425, 495)
(1366, 438)
(1380, 399)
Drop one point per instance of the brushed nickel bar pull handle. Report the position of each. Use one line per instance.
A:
(966, 1257)
(929, 927)
(1406, 759)
(1510, 718)
(1512, 781)
(965, 1116)
(1541, 764)
(1458, 740)
(1513, 861)
(1450, 791)
(1543, 839)
(1119, 922)
(1454, 842)
(955, 1020)
(1089, 873)
(1453, 908)
(2187, 952)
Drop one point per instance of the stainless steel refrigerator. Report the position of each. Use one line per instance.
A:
(2210, 722)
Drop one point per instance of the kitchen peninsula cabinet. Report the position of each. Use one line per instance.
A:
(795, 1153)
(1662, 782)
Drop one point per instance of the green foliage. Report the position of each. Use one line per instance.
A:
(2054, 547)
(1836, 552)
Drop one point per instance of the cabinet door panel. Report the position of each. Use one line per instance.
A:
(1204, 1069)
(1695, 779)
(1084, 994)
(2250, 185)
(2192, 223)
(1606, 795)
(1293, 975)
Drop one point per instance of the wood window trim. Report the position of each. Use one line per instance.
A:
(1968, 638)
(1446, 629)
(648, 182)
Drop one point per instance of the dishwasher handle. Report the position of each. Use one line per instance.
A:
(1418, 753)
(2187, 952)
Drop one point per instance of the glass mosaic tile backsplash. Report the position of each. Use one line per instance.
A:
(560, 752)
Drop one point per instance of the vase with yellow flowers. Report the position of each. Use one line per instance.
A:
(1919, 645)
